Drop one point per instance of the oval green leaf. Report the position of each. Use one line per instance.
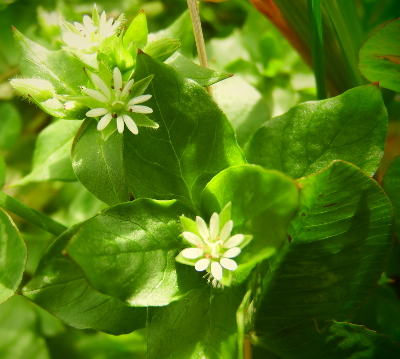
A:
(350, 127)
(194, 142)
(129, 250)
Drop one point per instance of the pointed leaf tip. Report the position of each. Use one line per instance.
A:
(376, 83)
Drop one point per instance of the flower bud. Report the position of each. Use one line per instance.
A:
(39, 90)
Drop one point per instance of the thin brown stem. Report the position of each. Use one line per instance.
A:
(198, 35)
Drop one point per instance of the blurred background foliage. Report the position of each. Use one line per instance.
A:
(269, 78)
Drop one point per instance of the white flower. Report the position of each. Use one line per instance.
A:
(88, 36)
(116, 103)
(213, 249)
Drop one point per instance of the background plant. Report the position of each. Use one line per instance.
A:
(321, 231)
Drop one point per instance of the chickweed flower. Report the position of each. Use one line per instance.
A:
(212, 247)
(115, 102)
(88, 36)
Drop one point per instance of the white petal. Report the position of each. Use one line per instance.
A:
(141, 109)
(104, 121)
(139, 99)
(76, 41)
(102, 86)
(80, 27)
(226, 231)
(202, 264)
(192, 238)
(130, 124)
(103, 21)
(95, 94)
(192, 253)
(117, 81)
(96, 112)
(87, 21)
(120, 124)
(214, 226)
(216, 270)
(232, 253)
(229, 264)
(127, 88)
(234, 241)
(202, 227)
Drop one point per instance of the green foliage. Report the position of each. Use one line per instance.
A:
(52, 159)
(380, 56)
(12, 257)
(351, 127)
(175, 241)
(59, 287)
(194, 142)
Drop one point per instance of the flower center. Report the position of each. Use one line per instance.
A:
(117, 106)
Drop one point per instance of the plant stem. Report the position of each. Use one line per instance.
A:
(317, 50)
(31, 215)
(198, 36)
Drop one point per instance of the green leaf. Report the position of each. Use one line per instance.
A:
(59, 287)
(162, 49)
(38, 62)
(137, 32)
(391, 185)
(201, 325)
(99, 164)
(350, 127)
(2, 172)
(52, 156)
(203, 76)
(244, 106)
(20, 336)
(129, 250)
(10, 125)
(194, 142)
(381, 312)
(380, 56)
(263, 203)
(330, 340)
(13, 257)
(340, 242)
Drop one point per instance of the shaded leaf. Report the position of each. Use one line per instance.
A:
(10, 125)
(13, 257)
(201, 325)
(330, 340)
(340, 242)
(381, 312)
(52, 156)
(380, 56)
(20, 337)
(59, 287)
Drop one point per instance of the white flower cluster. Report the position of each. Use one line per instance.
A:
(88, 36)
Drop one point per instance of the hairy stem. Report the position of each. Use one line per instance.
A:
(198, 35)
